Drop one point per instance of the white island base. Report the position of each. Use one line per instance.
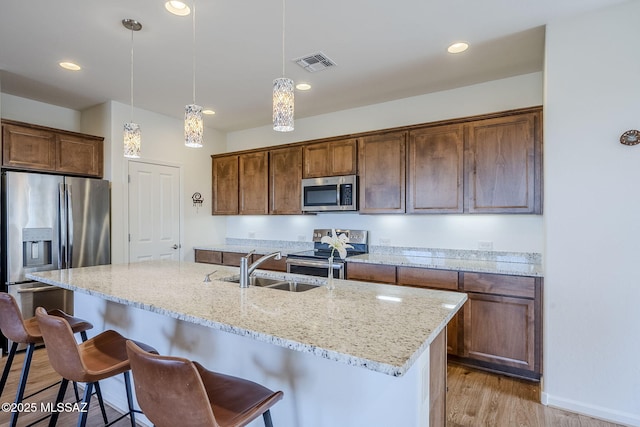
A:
(317, 392)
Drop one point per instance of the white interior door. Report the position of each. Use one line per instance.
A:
(154, 212)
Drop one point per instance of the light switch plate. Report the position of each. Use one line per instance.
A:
(485, 245)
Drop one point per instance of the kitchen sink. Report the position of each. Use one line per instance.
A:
(282, 285)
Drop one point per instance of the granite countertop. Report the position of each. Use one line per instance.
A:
(350, 324)
(512, 263)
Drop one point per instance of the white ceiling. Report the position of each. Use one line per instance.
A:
(384, 50)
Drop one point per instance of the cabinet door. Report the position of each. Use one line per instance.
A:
(253, 183)
(500, 330)
(435, 170)
(208, 257)
(381, 165)
(79, 156)
(333, 158)
(503, 163)
(225, 185)
(27, 148)
(285, 176)
(371, 272)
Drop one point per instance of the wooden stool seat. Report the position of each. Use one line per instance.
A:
(98, 358)
(27, 331)
(174, 391)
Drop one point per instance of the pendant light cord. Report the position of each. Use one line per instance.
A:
(194, 51)
(131, 118)
(283, 15)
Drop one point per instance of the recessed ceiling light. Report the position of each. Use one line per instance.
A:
(177, 8)
(458, 47)
(70, 66)
(208, 111)
(303, 86)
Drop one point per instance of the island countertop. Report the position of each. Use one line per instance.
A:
(379, 327)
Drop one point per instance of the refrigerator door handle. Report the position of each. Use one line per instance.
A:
(69, 241)
(62, 219)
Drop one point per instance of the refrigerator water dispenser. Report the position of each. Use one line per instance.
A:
(36, 246)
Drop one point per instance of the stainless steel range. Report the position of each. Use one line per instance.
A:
(314, 262)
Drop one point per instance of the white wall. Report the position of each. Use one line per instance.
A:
(520, 233)
(39, 113)
(592, 207)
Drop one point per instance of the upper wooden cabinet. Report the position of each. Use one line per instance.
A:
(254, 183)
(32, 147)
(435, 170)
(333, 158)
(285, 177)
(504, 165)
(225, 185)
(381, 165)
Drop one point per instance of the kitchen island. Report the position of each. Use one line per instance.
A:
(361, 355)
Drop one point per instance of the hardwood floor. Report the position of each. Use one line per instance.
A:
(475, 398)
(41, 375)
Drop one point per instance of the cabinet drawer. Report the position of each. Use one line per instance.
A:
(371, 272)
(271, 264)
(498, 284)
(427, 278)
(208, 257)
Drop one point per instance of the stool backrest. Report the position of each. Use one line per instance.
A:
(62, 347)
(11, 322)
(169, 390)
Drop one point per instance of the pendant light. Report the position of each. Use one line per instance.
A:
(193, 125)
(132, 136)
(283, 102)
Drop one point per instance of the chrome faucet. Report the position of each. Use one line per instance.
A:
(247, 270)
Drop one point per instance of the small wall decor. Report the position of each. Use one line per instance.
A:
(630, 137)
(197, 200)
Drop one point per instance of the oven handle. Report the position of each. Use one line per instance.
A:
(324, 264)
(45, 288)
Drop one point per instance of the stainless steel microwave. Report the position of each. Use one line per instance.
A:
(333, 193)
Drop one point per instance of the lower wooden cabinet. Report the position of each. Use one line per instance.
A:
(232, 259)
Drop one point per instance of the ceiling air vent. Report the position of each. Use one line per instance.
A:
(315, 62)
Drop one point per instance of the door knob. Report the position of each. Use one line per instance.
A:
(175, 247)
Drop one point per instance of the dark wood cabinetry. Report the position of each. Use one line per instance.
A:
(38, 148)
(435, 170)
(285, 177)
(225, 185)
(332, 158)
(500, 325)
(233, 259)
(253, 183)
(504, 164)
(382, 165)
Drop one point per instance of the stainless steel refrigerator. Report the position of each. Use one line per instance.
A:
(51, 222)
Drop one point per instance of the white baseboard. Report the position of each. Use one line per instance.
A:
(606, 414)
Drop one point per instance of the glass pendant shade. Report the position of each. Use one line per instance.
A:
(283, 104)
(193, 126)
(132, 140)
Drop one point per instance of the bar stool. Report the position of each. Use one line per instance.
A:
(22, 331)
(173, 391)
(98, 358)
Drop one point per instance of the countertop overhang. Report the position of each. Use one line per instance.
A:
(379, 327)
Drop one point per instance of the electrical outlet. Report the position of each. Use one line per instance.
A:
(252, 234)
(301, 238)
(385, 242)
(485, 245)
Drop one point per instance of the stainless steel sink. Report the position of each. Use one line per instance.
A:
(283, 285)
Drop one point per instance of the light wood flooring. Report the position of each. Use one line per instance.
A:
(475, 399)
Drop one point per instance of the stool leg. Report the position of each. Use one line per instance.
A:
(7, 366)
(61, 392)
(88, 389)
(101, 403)
(23, 381)
(267, 419)
(127, 383)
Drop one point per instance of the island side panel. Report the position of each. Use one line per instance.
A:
(317, 392)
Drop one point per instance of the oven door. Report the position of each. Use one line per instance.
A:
(30, 295)
(314, 267)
